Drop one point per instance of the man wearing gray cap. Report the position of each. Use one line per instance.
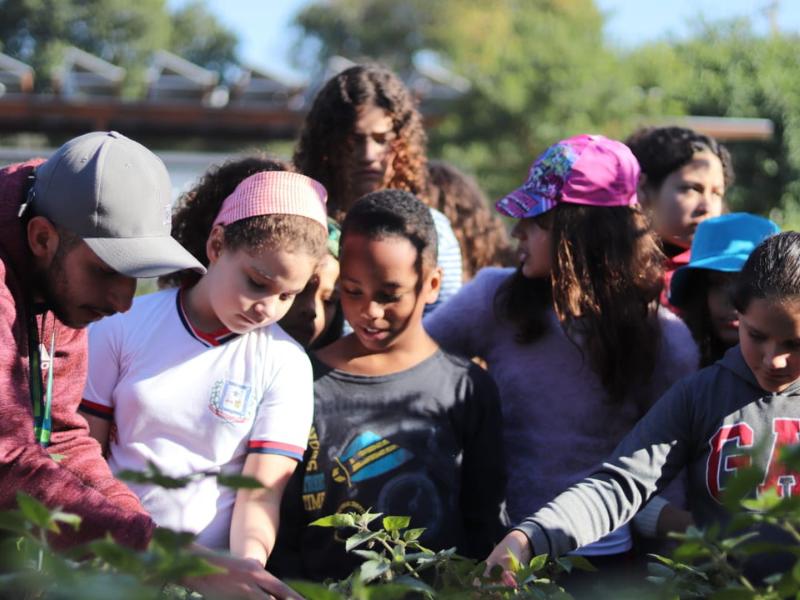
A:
(75, 233)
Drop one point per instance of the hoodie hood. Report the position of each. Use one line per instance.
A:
(14, 183)
(734, 362)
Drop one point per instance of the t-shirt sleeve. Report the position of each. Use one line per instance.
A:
(284, 415)
(104, 368)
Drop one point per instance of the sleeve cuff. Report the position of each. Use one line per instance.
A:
(537, 538)
(97, 410)
(266, 447)
(646, 520)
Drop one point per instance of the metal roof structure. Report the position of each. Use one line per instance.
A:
(84, 75)
(15, 76)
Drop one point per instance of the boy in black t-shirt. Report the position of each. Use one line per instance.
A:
(400, 427)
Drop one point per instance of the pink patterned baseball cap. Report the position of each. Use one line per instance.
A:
(275, 192)
(585, 169)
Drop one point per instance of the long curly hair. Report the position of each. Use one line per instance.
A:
(197, 209)
(323, 148)
(604, 288)
(481, 234)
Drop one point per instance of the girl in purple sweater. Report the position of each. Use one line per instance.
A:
(573, 337)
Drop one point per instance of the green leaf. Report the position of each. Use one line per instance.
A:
(764, 502)
(68, 518)
(538, 562)
(741, 486)
(413, 534)
(399, 553)
(360, 538)
(36, 512)
(660, 570)
(367, 517)
(239, 482)
(368, 554)
(412, 583)
(155, 476)
(385, 591)
(373, 569)
(337, 520)
(15, 522)
(395, 523)
(513, 562)
(734, 594)
(581, 563)
(117, 556)
(313, 591)
(171, 541)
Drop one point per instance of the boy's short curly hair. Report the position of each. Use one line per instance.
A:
(394, 213)
(322, 148)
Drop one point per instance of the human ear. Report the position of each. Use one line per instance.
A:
(43, 240)
(432, 285)
(215, 243)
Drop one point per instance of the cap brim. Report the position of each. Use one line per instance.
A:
(682, 277)
(521, 205)
(144, 257)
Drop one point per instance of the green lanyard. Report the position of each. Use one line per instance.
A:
(41, 398)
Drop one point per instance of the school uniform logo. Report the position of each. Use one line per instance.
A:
(232, 402)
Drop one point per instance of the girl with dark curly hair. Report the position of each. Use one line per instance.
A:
(684, 178)
(482, 235)
(199, 379)
(574, 337)
(364, 134)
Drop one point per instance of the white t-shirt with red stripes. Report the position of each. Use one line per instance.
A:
(190, 403)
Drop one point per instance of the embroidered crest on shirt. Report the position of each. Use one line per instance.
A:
(232, 402)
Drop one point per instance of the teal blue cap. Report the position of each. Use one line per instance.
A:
(720, 244)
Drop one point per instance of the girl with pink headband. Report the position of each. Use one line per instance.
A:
(198, 379)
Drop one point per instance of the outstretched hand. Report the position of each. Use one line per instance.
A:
(515, 543)
(244, 579)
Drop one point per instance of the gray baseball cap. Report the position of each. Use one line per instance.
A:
(116, 195)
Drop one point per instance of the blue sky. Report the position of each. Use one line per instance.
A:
(264, 26)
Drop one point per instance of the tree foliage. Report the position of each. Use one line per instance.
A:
(121, 32)
(541, 70)
(198, 36)
(726, 69)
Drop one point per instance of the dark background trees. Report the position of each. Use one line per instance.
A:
(538, 70)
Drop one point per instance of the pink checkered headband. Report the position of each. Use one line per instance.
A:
(275, 193)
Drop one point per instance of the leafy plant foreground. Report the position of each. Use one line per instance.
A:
(708, 563)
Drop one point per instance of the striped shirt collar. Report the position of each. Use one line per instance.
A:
(210, 339)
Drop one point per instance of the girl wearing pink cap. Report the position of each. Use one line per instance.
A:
(199, 380)
(573, 336)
